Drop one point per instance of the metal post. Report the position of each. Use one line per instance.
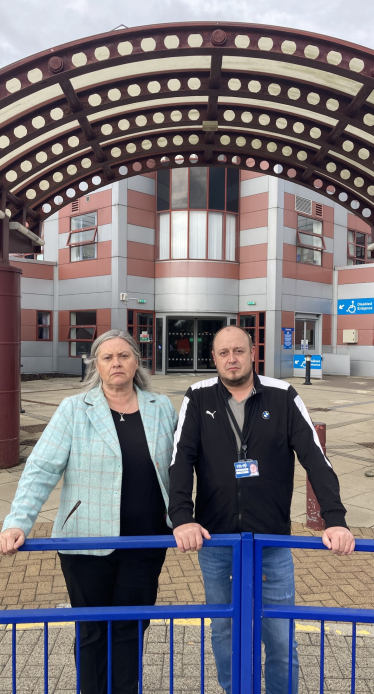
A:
(307, 381)
(313, 509)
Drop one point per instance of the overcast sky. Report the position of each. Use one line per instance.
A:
(30, 26)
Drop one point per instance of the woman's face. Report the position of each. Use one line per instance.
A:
(116, 362)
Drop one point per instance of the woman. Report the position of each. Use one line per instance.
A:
(113, 444)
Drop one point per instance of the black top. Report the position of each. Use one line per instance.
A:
(142, 504)
(277, 425)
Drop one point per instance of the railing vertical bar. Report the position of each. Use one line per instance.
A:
(45, 657)
(235, 622)
(78, 654)
(290, 653)
(257, 618)
(140, 655)
(322, 658)
(353, 679)
(246, 617)
(14, 659)
(109, 657)
(171, 689)
(202, 656)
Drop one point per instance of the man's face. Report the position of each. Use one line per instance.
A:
(253, 468)
(233, 357)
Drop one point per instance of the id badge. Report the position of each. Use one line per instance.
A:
(246, 468)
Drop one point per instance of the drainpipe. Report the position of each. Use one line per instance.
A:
(334, 326)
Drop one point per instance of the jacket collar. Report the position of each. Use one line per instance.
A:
(101, 418)
(257, 388)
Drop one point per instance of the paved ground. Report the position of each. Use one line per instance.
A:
(35, 580)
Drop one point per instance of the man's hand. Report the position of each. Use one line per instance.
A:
(339, 540)
(189, 537)
(11, 540)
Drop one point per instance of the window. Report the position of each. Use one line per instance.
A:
(357, 248)
(43, 319)
(83, 237)
(140, 325)
(82, 332)
(201, 220)
(310, 243)
(254, 324)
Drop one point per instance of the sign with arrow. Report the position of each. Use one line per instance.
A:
(352, 307)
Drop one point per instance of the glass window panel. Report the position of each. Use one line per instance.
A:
(206, 329)
(180, 343)
(86, 252)
(310, 331)
(312, 225)
(82, 236)
(299, 333)
(79, 348)
(248, 321)
(43, 333)
(198, 234)
(82, 221)
(198, 188)
(216, 189)
(44, 318)
(163, 190)
(179, 189)
(261, 320)
(232, 190)
(230, 236)
(360, 238)
(350, 261)
(351, 249)
(360, 251)
(310, 240)
(307, 255)
(215, 235)
(351, 236)
(84, 318)
(179, 235)
(164, 235)
(82, 333)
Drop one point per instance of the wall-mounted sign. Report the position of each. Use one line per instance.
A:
(287, 337)
(251, 303)
(315, 365)
(352, 307)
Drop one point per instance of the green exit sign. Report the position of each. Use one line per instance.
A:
(251, 303)
(142, 301)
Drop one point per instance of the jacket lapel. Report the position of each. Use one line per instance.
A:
(101, 419)
(149, 413)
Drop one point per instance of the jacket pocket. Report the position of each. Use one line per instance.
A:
(71, 513)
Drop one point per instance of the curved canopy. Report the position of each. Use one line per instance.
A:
(288, 103)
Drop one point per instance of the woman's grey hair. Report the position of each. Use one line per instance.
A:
(92, 378)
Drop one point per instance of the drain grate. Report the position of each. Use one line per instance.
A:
(370, 444)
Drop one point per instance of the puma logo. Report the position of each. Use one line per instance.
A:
(211, 413)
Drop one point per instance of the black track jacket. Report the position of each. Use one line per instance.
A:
(279, 424)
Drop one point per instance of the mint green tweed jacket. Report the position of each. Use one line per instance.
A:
(81, 443)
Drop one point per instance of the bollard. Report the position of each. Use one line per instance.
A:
(314, 521)
(84, 356)
(307, 381)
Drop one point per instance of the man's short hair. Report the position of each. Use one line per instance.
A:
(237, 327)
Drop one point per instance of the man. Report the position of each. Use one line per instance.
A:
(226, 424)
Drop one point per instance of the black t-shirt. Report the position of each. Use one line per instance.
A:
(142, 504)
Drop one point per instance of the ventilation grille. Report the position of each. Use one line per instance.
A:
(75, 206)
(303, 205)
(319, 210)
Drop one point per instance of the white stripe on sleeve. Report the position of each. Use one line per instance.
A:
(300, 405)
(177, 435)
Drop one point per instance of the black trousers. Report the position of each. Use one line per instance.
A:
(125, 577)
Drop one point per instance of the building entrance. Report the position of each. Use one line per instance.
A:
(190, 343)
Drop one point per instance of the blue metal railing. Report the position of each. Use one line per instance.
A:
(111, 614)
(245, 610)
(322, 614)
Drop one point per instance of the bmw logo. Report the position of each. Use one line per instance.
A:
(266, 415)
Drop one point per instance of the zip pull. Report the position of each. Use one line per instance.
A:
(244, 447)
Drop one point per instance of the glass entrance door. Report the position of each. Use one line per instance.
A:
(305, 335)
(181, 343)
(190, 343)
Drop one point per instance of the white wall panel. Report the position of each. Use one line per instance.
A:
(142, 184)
(254, 186)
(356, 291)
(252, 237)
(30, 285)
(85, 285)
(85, 302)
(141, 234)
(256, 286)
(51, 238)
(198, 294)
(36, 348)
(37, 365)
(104, 232)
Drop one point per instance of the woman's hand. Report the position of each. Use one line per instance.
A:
(11, 540)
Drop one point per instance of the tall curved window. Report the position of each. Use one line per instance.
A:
(197, 213)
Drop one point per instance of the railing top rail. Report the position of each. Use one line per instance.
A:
(331, 614)
(94, 614)
(299, 541)
(136, 542)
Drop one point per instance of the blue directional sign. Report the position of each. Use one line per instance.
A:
(315, 364)
(354, 307)
(287, 337)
